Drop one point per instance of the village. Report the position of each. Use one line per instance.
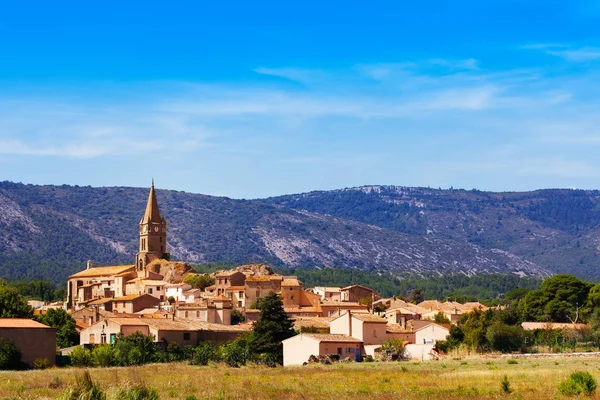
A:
(161, 299)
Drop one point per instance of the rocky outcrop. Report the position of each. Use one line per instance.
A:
(255, 269)
(172, 271)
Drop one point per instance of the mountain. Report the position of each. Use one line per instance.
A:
(50, 231)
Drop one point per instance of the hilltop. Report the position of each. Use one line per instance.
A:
(50, 231)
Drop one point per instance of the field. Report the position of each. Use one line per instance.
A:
(475, 378)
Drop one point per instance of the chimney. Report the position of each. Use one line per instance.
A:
(349, 323)
(89, 264)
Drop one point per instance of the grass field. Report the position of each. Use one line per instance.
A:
(450, 379)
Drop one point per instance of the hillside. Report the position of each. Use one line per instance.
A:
(556, 229)
(50, 231)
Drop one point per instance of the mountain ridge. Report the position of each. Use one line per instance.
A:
(49, 231)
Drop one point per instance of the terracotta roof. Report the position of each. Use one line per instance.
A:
(129, 297)
(126, 321)
(328, 289)
(301, 309)
(227, 273)
(81, 324)
(342, 304)
(318, 322)
(365, 317)
(353, 286)
(290, 281)
(235, 288)
(172, 285)
(530, 326)
(21, 323)
(329, 337)
(221, 298)
(102, 271)
(100, 301)
(264, 278)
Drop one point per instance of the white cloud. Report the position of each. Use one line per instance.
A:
(569, 53)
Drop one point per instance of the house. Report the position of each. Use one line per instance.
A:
(328, 293)
(176, 290)
(34, 340)
(97, 282)
(337, 308)
(192, 295)
(133, 303)
(216, 311)
(312, 324)
(142, 285)
(368, 328)
(106, 331)
(355, 293)
(225, 279)
(298, 349)
(237, 294)
(402, 313)
(256, 287)
(163, 330)
(418, 332)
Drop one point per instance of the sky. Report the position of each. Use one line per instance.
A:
(255, 99)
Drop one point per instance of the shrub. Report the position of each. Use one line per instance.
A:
(41, 363)
(84, 388)
(175, 352)
(134, 349)
(368, 358)
(236, 353)
(504, 337)
(204, 353)
(512, 362)
(578, 383)
(10, 356)
(139, 392)
(102, 356)
(505, 384)
(81, 357)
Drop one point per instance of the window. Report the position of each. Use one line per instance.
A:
(374, 333)
(158, 288)
(240, 294)
(198, 314)
(239, 303)
(186, 336)
(92, 338)
(291, 297)
(186, 315)
(257, 294)
(149, 290)
(103, 338)
(113, 337)
(339, 351)
(291, 289)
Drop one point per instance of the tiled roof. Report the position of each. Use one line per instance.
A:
(227, 273)
(318, 322)
(330, 337)
(221, 298)
(102, 271)
(290, 282)
(264, 278)
(100, 301)
(129, 297)
(235, 288)
(365, 317)
(529, 326)
(301, 309)
(328, 289)
(353, 286)
(21, 323)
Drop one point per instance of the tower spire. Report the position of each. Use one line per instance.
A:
(152, 213)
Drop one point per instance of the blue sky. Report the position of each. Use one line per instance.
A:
(252, 99)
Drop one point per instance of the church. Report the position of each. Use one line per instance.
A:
(113, 282)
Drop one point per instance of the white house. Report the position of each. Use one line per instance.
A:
(298, 349)
(176, 290)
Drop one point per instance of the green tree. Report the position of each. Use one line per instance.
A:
(200, 281)
(504, 337)
(66, 334)
(440, 318)
(12, 304)
(10, 356)
(272, 327)
(134, 349)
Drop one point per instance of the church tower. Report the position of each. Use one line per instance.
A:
(153, 234)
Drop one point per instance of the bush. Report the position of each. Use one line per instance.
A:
(10, 356)
(140, 392)
(81, 357)
(578, 383)
(236, 353)
(175, 352)
(204, 353)
(505, 385)
(504, 337)
(512, 362)
(134, 349)
(103, 356)
(41, 363)
(368, 358)
(84, 388)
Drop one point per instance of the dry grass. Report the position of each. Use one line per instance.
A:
(475, 378)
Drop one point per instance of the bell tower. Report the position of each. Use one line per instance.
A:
(153, 234)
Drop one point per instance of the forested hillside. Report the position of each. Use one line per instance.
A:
(50, 231)
(556, 229)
